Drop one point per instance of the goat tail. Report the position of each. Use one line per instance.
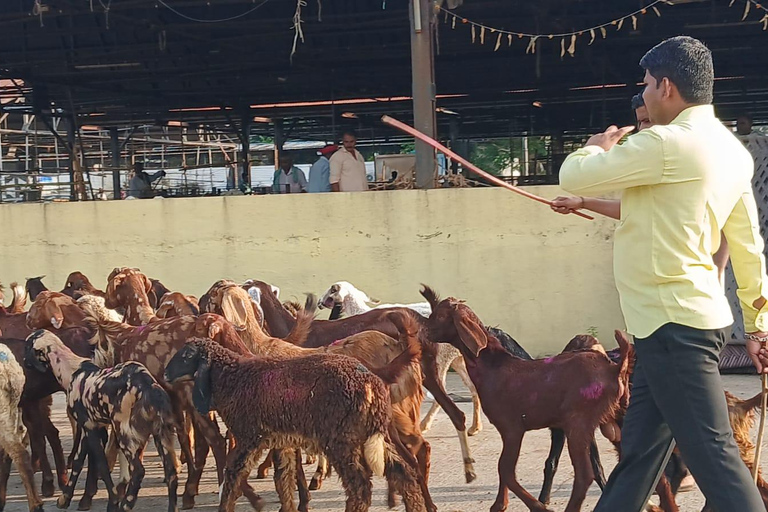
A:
(625, 351)
(392, 371)
(304, 318)
(744, 407)
(403, 474)
(19, 298)
(374, 452)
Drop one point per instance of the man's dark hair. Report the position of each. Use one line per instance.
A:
(746, 116)
(637, 101)
(351, 133)
(687, 63)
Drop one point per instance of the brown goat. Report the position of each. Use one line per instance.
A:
(174, 304)
(576, 392)
(154, 345)
(78, 285)
(373, 349)
(54, 310)
(278, 322)
(128, 288)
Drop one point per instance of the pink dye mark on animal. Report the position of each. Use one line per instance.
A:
(337, 342)
(141, 328)
(270, 377)
(549, 360)
(593, 391)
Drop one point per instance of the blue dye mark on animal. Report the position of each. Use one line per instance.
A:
(4, 357)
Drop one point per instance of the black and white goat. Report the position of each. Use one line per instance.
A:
(126, 398)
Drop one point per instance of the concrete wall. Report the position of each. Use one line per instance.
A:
(542, 277)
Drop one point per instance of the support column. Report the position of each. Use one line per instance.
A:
(114, 150)
(72, 156)
(279, 141)
(423, 73)
(245, 154)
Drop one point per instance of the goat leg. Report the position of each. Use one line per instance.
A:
(322, 472)
(432, 383)
(597, 465)
(301, 483)
(80, 450)
(557, 437)
(461, 370)
(5, 472)
(263, 470)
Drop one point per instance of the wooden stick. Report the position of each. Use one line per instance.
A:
(761, 431)
(466, 163)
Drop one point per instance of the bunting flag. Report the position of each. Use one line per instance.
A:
(568, 39)
(748, 5)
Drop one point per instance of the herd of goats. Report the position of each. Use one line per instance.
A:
(139, 361)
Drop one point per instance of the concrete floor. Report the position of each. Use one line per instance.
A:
(449, 491)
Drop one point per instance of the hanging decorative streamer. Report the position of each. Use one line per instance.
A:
(564, 37)
(533, 38)
(748, 4)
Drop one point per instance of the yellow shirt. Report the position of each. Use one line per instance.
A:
(682, 184)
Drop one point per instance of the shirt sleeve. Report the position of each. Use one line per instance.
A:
(746, 247)
(155, 176)
(335, 175)
(302, 180)
(593, 171)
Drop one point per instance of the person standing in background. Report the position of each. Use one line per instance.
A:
(288, 178)
(320, 172)
(348, 167)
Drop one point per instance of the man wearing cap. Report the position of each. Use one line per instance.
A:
(320, 172)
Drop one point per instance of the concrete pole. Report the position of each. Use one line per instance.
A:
(71, 151)
(245, 156)
(114, 149)
(423, 74)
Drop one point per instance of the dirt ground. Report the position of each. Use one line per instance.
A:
(449, 491)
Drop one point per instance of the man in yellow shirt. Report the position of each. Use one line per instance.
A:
(683, 181)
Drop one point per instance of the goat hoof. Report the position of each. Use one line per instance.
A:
(63, 502)
(121, 489)
(315, 484)
(311, 459)
(258, 503)
(85, 503)
(38, 508)
(187, 502)
(47, 489)
(473, 431)
(470, 477)
(391, 500)
(425, 426)
(261, 475)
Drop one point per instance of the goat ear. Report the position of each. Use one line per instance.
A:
(275, 290)
(471, 333)
(234, 310)
(201, 394)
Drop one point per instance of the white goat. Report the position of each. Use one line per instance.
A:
(354, 301)
(96, 307)
(12, 430)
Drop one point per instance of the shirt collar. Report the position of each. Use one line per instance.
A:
(695, 113)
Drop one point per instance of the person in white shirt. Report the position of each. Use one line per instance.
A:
(348, 167)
